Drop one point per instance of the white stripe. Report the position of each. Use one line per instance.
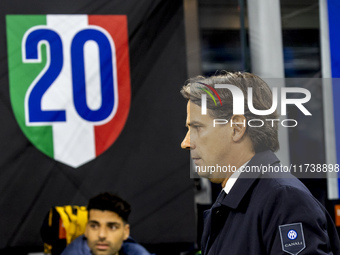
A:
(73, 140)
(204, 104)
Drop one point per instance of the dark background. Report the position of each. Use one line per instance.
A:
(145, 165)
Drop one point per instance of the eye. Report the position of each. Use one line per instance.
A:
(196, 127)
(93, 225)
(113, 226)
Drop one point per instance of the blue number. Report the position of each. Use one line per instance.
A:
(78, 75)
(36, 114)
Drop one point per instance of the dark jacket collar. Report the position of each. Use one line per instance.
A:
(246, 180)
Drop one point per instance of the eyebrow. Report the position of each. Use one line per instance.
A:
(193, 123)
(113, 224)
(93, 221)
(107, 223)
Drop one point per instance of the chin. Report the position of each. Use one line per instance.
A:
(216, 180)
(204, 174)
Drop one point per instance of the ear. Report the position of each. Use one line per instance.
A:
(239, 126)
(126, 231)
(86, 230)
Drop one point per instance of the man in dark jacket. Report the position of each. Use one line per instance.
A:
(262, 209)
(107, 231)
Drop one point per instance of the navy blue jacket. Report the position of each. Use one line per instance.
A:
(79, 247)
(268, 215)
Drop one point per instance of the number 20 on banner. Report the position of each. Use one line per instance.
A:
(31, 54)
(74, 82)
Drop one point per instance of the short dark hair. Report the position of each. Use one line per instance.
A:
(110, 202)
(264, 138)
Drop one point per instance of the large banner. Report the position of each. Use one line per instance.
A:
(90, 103)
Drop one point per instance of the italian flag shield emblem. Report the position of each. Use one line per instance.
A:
(69, 82)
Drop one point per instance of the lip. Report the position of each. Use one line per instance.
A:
(196, 160)
(102, 246)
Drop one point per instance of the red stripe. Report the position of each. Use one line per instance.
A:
(213, 90)
(116, 26)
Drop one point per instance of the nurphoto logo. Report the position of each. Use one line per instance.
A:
(238, 104)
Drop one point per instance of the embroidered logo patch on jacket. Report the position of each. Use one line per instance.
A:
(292, 238)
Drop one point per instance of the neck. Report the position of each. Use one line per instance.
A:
(242, 160)
(224, 182)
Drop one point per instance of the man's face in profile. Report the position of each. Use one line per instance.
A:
(208, 145)
(105, 232)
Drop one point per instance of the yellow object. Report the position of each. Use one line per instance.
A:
(74, 219)
(47, 248)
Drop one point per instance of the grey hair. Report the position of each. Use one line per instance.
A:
(262, 138)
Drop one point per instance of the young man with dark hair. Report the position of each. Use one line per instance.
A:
(258, 213)
(107, 230)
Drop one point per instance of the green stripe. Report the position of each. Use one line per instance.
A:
(209, 95)
(22, 75)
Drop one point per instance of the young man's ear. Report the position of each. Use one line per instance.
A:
(86, 229)
(87, 224)
(239, 127)
(126, 231)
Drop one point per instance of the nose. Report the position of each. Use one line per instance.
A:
(102, 233)
(186, 142)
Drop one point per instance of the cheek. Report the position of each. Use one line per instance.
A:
(117, 237)
(213, 142)
(220, 148)
(90, 236)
